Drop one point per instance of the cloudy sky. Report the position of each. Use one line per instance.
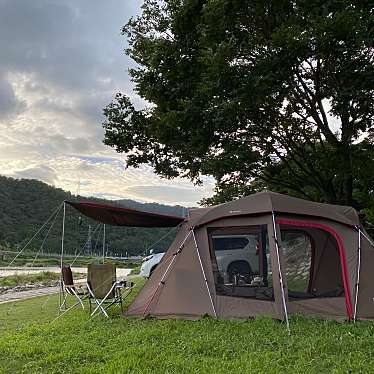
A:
(61, 62)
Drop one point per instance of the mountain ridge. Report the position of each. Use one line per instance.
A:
(25, 204)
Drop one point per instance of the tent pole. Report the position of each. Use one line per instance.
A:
(162, 281)
(203, 271)
(103, 242)
(62, 256)
(280, 273)
(358, 274)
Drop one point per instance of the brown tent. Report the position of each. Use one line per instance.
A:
(266, 254)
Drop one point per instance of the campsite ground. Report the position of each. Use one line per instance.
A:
(29, 260)
(30, 343)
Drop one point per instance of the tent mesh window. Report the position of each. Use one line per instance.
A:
(240, 261)
(297, 254)
(311, 264)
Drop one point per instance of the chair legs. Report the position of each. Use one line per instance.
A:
(73, 293)
(96, 306)
(103, 304)
(62, 309)
(100, 303)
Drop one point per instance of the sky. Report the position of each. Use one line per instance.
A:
(61, 63)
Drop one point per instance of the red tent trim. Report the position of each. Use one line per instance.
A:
(117, 216)
(343, 261)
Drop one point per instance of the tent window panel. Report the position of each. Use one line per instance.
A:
(311, 263)
(297, 254)
(240, 261)
(237, 256)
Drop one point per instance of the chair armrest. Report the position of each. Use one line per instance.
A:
(124, 286)
(120, 284)
(75, 285)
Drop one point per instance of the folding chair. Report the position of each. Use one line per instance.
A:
(70, 289)
(104, 289)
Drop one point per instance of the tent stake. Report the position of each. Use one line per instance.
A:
(280, 274)
(358, 274)
(203, 271)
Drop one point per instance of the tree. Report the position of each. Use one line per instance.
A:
(241, 90)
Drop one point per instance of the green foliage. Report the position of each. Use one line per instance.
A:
(26, 204)
(240, 88)
(45, 278)
(279, 175)
(77, 344)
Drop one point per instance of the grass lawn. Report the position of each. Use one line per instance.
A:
(30, 343)
(44, 278)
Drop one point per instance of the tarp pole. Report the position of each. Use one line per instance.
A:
(62, 256)
(280, 273)
(162, 281)
(203, 271)
(104, 243)
(358, 274)
(63, 236)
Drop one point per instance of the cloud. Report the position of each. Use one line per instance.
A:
(61, 63)
(43, 173)
(10, 104)
(168, 194)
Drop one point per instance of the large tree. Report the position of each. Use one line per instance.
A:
(254, 93)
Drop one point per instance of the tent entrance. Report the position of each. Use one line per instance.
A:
(299, 256)
(313, 262)
(241, 262)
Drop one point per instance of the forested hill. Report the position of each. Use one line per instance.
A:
(175, 210)
(26, 204)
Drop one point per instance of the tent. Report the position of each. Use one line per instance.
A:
(266, 254)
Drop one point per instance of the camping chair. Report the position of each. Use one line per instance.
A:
(104, 289)
(70, 289)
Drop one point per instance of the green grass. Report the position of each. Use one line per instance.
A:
(30, 343)
(15, 316)
(28, 259)
(44, 278)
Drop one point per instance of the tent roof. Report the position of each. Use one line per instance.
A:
(259, 203)
(267, 202)
(117, 216)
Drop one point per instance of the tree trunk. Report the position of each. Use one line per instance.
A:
(345, 175)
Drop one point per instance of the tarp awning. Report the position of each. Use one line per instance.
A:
(117, 216)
